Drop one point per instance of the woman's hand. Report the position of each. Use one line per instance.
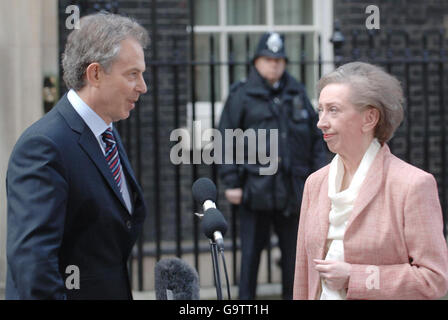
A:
(335, 273)
(234, 196)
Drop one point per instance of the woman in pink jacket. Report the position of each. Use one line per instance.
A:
(371, 225)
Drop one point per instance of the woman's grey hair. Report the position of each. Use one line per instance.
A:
(370, 86)
(97, 40)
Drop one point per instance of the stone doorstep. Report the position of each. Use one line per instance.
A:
(206, 279)
(265, 291)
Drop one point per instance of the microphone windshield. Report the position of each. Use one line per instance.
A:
(204, 189)
(212, 221)
(175, 280)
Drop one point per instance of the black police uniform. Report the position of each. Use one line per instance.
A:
(275, 198)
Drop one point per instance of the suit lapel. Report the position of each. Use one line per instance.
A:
(88, 143)
(324, 211)
(127, 167)
(371, 185)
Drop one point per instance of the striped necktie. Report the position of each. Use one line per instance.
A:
(112, 157)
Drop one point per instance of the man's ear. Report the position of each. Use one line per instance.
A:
(371, 119)
(94, 74)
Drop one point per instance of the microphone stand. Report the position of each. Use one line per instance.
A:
(215, 250)
(216, 274)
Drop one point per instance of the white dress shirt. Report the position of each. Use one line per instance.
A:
(97, 125)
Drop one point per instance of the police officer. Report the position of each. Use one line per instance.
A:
(270, 99)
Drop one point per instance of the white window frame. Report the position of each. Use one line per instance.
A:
(322, 24)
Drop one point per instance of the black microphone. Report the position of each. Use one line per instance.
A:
(204, 192)
(175, 280)
(213, 223)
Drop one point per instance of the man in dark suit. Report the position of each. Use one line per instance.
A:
(75, 208)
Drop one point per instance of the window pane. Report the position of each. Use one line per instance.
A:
(302, 64)
(206, 12)
(241, 51)
(204, 69)
(246, 12)
(287, 12)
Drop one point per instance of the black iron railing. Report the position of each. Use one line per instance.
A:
(420, 140)
(419, 62)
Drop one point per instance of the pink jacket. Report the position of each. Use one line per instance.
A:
(394, 236)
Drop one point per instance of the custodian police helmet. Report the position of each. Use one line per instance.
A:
(271, 44)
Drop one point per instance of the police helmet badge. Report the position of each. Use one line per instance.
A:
(274, 42)
(271, 44)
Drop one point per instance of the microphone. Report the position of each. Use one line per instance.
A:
(204, 192)
(175, 280)
(213, 224)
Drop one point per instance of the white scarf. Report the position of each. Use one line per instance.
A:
(341, 208)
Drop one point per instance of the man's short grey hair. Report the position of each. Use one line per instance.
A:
(97, 40)
(371, 86)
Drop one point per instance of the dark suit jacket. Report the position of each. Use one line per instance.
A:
(65, 209)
